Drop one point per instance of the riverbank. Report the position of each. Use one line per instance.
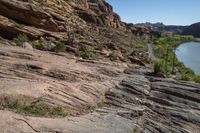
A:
(167, 63)
(197, 40)
(188, 53)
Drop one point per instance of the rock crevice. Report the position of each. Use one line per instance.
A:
(133, 100)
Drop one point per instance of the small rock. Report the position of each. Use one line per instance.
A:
(27, 45)
(49, 46)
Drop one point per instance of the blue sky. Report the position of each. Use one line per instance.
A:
(170, 12)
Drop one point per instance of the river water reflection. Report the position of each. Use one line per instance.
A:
(189, 54)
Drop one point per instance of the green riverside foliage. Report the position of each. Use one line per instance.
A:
(20, 39)
(164, 50)
(35, 110)
(161, 67)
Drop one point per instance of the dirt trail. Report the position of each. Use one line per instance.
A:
(151, 54)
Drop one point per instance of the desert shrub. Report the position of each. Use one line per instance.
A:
(114, 56)
(186, 77)
(96, 105)
(39, 44)
(60, 47)
(197, 79)
(162, 67)
(140, 46)
(187, 74)
(86, 52)
(43, 44)
(20, 39)
(99, 47)
(35, 109)
(41, 2)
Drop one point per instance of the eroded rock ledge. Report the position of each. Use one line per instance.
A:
(134, 102)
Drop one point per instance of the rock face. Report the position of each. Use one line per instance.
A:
(134, 101)
(51, 79)
(73, 23)
(27, 13)
(58, 16)
(193, 29)
(157, 105)
(106, 14)
(131, 100)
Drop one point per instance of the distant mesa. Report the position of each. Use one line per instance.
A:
(193, 29)
(175, 29)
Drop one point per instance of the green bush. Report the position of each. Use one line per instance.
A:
(186, 77)
(96, 105)
(197, 79)
(162, 67)
(164, 50)
(39, 44)
(57, 111)
(140, 46)
(114, 56)
(99, 47)
(60, 47)
(20, 39)
(186, 74)
(86, 52)
(41, 2)
(35, 109)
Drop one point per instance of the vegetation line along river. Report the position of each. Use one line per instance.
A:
(169, 66)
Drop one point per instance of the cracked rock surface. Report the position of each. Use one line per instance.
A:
(134, 101)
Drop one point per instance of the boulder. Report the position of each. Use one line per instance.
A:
(27, 45)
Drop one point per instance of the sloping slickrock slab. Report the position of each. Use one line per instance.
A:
(44, 77)
(91, 123)
(158, 105)
(136, 102)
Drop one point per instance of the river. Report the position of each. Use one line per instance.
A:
(189, 54)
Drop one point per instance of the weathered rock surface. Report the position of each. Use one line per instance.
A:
(157, 105)
(61, 16)
(134, 101)
(91, 123)
(52, 79)
(27, 13)
(74, 23)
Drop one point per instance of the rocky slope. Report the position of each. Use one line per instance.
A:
(38, 88)
(193, 29)
(134, 101)
(74, 23)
